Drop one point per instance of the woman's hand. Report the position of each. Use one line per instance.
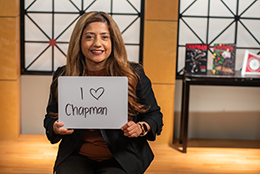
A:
(131, 129)
(62, 131)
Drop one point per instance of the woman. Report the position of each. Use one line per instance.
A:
(96, 48)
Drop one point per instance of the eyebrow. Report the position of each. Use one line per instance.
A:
(94, 33)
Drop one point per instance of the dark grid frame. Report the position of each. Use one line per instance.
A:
(236, 19)
(25, 12)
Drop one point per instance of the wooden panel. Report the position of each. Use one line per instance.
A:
(161, 10)
(9, 7)
(10, 109)
(9, 48)
(165, 98)
(160, 50)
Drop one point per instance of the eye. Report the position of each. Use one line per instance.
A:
(89, 37)
(105, 37)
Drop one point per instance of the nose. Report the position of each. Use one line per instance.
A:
(97, 41)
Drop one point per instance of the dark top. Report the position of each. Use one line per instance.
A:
(133, 154)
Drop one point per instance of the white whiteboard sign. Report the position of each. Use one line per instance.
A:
(93, 102)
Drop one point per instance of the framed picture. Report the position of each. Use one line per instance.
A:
(251, 64)
(196, 58)
(224, 56)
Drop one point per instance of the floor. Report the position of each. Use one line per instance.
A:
(33, 154)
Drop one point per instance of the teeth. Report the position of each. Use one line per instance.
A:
(97, 51)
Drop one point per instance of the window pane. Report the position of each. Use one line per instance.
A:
(32, 32)
(32, 51)
(60, 59)
(40, 5)
(43, 63)
(61, 24)
(199, 8)
(132, 53)
(40, 21)
(100, 5)
(65, 6)
(222, 8)
(217, 26)
(130, 26)
(122, 6)
(248, 9)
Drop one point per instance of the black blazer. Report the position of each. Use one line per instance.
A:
(133, 154)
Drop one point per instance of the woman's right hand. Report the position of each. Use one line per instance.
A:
(62, 131)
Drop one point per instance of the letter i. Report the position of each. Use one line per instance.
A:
(81, 93)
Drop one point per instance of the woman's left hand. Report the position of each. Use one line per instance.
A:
(131, 129)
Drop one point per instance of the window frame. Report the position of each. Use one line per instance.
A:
(24, 13)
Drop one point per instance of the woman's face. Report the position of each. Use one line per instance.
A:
(96, 45)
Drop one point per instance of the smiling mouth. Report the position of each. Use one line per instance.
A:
(97, 51)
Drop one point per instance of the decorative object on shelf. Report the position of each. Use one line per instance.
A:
(224, 59)
(196, 58)
(251, 64)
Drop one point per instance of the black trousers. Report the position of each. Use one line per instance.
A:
(79, 164)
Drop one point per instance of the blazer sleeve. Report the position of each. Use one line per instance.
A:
(52, 107)
(146, 96)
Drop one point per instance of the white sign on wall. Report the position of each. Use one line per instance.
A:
(93, 102)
